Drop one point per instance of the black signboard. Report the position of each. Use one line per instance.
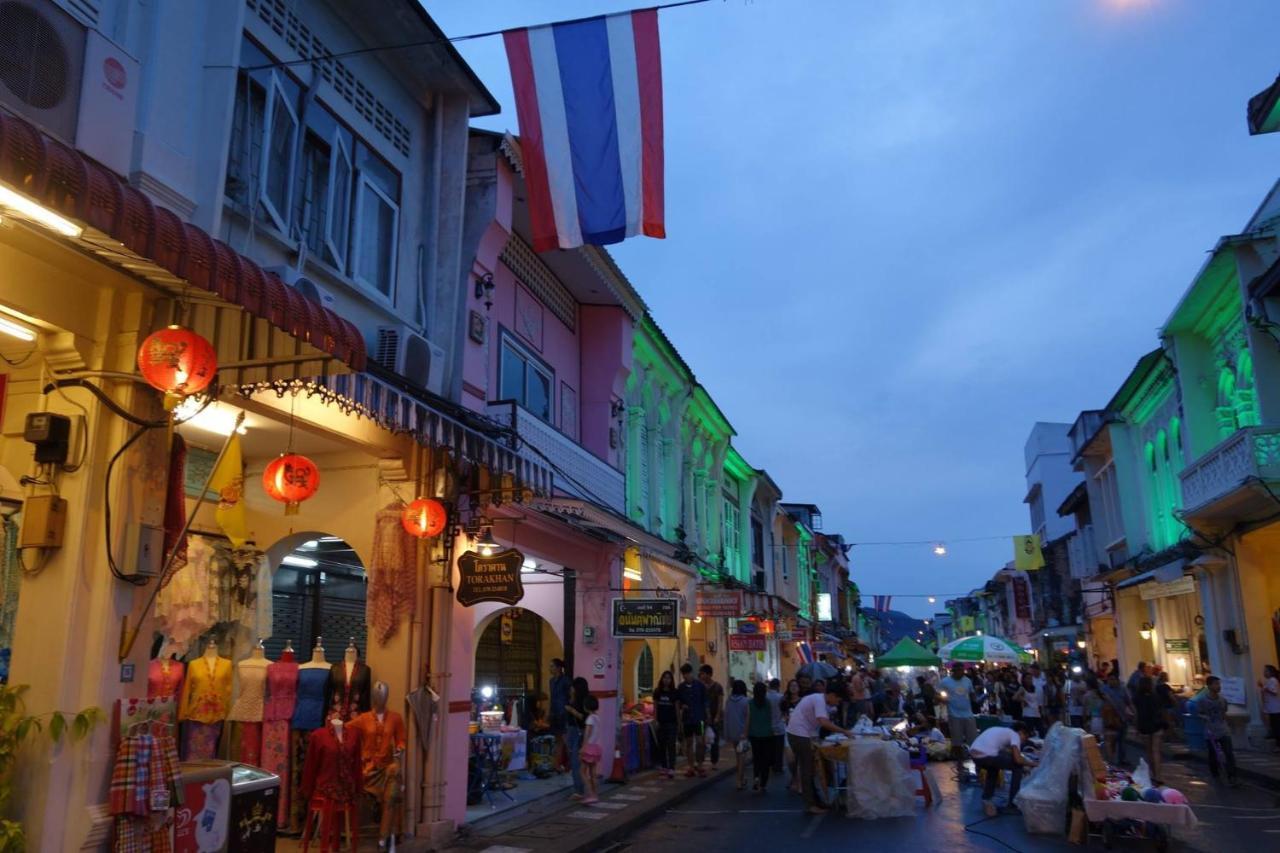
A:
(494, 578)
(646, 617)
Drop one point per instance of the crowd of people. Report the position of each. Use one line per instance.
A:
(779, 728)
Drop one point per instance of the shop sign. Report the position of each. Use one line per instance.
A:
(1185, 585)
(747, 627)
(825, 647)
(824, 607)
(495, 578)
(783, 635)
(1177, 646)
(646, 617)
(746, 643)
(1021, 598)
(720, 603)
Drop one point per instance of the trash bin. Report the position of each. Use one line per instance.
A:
(1192, 726)
(255, 799)
(201, 821)
(227, 808)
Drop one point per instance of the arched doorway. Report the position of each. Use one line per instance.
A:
(317, 590)
(514, 650)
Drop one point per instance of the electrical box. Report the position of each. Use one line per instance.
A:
(51, 434)
(148, 551)
(44, 518)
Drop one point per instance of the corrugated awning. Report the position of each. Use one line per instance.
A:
(124, 229)
(469, 437)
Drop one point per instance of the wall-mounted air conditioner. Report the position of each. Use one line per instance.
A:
(402, 350)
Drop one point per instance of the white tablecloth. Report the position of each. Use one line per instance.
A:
(881, 781)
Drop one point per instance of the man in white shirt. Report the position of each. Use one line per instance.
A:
(809, 719)
(996, 749)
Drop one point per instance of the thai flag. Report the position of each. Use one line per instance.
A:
(589, 102)
(882, 603)
(806, 652)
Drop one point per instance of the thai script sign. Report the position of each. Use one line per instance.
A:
(1184, 585)
(646, 617)
(1176, 646)
(746, 643)
(495, 578)
(720, 603)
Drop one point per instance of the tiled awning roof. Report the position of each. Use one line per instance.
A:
(127, 230)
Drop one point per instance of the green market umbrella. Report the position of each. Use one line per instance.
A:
(908, 653)
(984, 648)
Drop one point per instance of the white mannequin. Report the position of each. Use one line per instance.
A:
(349, 658)
(337, 724)
(317, 657)
(258, 653)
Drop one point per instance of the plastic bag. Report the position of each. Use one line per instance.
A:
(1142, 775)
(1043, 798)
(864, 726)
(709, 736)
(743, 747)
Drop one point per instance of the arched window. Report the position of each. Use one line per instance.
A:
(644, 670)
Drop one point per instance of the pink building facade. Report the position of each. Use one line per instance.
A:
(546, 356)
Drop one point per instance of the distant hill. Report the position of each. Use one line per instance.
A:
(894, 625)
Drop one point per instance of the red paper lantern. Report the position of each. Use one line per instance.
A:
(425, 517)
(291, 478)
(177, 361)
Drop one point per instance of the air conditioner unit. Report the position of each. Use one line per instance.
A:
(43, 64)
(399, 349)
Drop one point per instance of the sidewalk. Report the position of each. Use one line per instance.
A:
(558, 824)
(1262, 768)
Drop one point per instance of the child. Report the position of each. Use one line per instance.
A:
(591, 750)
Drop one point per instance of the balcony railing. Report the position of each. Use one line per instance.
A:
(1251, 453)
(576, 471)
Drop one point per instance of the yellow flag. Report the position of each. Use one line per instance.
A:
(228, 482)
(1026, 553)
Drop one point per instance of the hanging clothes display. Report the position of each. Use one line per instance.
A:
(164, 679)
(183, 607)
(282, 693)
(391, 592)
(347, 691)
(250, 594)
(144, 785)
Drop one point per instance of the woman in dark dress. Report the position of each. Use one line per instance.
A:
(1150, 719)
(664, 710)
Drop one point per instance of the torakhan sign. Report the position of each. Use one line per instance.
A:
(495, 578)
(645, 617)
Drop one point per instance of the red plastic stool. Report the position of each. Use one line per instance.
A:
(327, 813)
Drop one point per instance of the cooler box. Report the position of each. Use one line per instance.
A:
(255, 797)
(986, 721)
(200, 823)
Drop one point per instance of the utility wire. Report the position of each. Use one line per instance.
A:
(941, 539)
(429, 42)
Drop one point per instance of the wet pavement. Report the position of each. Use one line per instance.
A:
(721, 818)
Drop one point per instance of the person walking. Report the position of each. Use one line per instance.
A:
(715, 709)
(779, 724)
(1091, 707)
(1269, 688)
(592, 750)
(735, 728)
(1116, 713)
(575, 722)
(1075, 690)
(808, 721)
(691, 704)
(664, 710)
(1212, 708)
(1150, 720)
(761, 716)
(1032, 698)
(789, 702)
(957, 688)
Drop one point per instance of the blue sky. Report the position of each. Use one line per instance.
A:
(901, 233)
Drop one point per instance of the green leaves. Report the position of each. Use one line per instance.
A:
(57, 726)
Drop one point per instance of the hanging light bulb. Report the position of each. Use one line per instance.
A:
(486, 544)
(932, 600)
(940, 550)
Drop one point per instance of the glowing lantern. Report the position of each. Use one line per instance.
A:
(291, 478)
(178, 362)
(424, 517)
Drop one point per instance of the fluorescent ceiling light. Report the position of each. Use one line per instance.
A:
(332, 539)
(529, 565)
(28, 209)
(300, 562)
(309, 545)
(12, 329)
(216, 417)
(632, 574)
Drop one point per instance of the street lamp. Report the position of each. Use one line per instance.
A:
(1145, 631)
(940, 550)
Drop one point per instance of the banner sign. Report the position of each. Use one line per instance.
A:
(1185, 585)
(1021, 598)
(720, 603)
(1233, 690)
(784, 635)
(495, 578)
(747, 643)
(646, 617)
